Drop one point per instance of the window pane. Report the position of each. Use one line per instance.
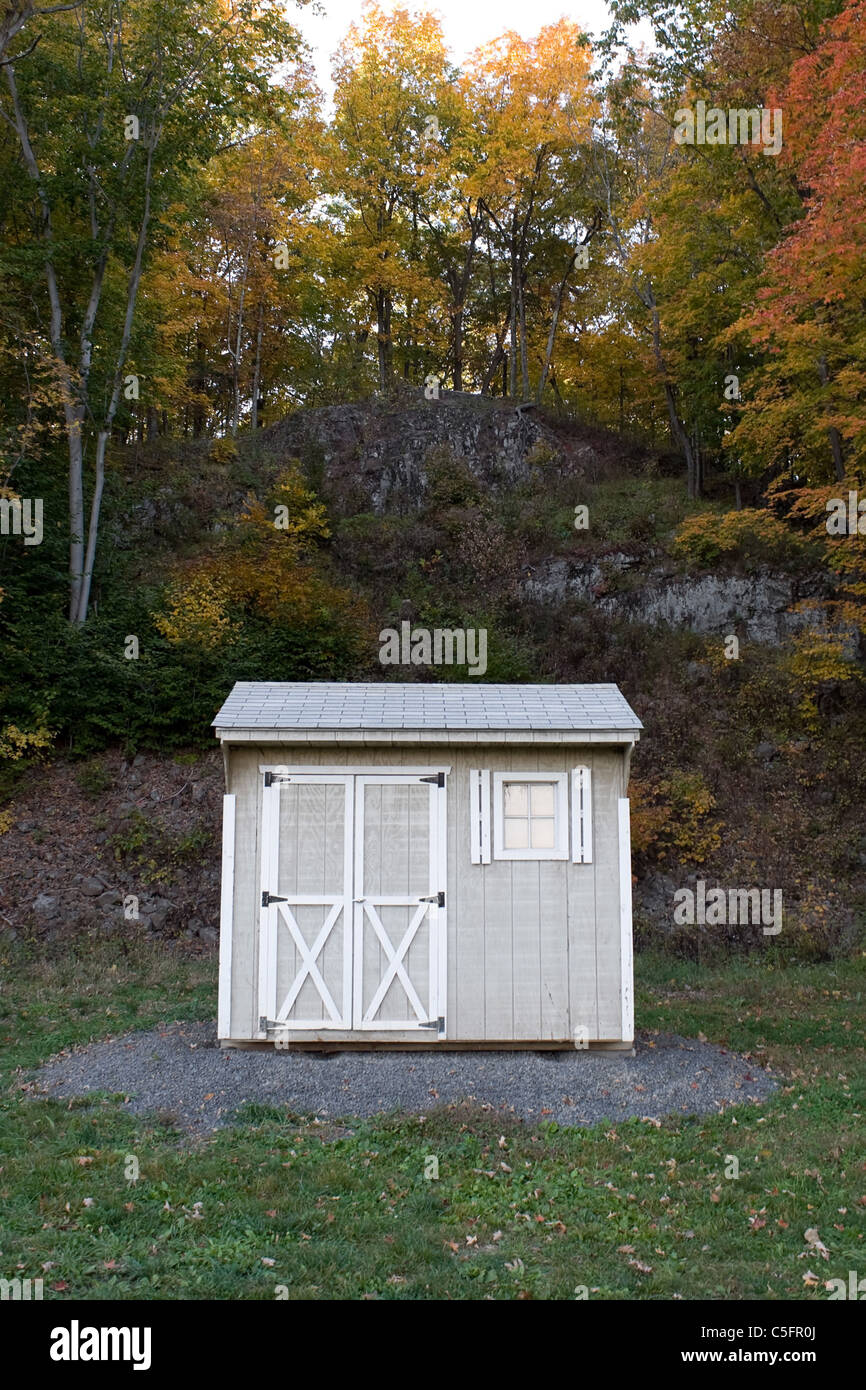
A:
(515, 799)
(541, 795)
(542, 834)
(516, 834)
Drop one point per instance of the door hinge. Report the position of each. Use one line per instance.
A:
(437, 898)
(437, 1023)
(268, 898)
(437, 781)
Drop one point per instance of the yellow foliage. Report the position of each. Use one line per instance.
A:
(296, 513)
(754, 533)
(16, 743)
(5, 821)
(196, 611)
(816, 657)
(671, 819)
(260, 571)
(223, 450)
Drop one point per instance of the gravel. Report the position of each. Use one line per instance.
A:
(179, 1071)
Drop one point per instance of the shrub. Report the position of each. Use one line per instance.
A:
(671, 819)
(751, 537)
(450, 482)
(815, 663)
(223, 450)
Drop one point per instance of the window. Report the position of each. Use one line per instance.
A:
(530, 815)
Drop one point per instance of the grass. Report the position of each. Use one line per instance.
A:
(287, 1207)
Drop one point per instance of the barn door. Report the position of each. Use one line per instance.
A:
(305, 959)
(399, 907)
(352, 903)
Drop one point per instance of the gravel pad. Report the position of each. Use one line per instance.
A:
(180, 1071)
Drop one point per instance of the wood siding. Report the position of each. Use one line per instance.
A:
(534, 948)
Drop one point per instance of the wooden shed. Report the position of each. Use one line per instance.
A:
(426, 865)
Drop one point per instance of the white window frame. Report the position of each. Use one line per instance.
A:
(560, 782)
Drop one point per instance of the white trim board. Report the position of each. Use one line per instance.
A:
(428, 736)
(227, 896)
(295, 770)
(625, 920)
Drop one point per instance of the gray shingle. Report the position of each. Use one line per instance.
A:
(320, 705)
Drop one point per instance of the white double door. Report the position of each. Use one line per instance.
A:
(352, 933)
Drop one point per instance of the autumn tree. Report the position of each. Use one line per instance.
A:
(142, 92)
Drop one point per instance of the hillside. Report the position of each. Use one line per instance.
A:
(455, 512)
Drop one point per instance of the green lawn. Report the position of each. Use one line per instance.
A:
(285, 1207)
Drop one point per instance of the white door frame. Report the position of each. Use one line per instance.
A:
(433, 911)
(278, 914)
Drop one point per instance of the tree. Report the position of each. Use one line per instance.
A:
(531, 101)
(142, 94)
(808, 407)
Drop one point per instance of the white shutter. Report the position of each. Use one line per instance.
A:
(581, 815)
(479, 815)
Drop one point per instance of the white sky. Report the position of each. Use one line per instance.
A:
(466, 23)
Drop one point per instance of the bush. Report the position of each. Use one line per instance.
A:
(450, 482)
(223, 450)
(671, 819)
(750, 537)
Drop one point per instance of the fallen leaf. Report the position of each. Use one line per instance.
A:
(814, 1240)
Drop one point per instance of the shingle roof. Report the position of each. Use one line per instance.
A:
(333, 706)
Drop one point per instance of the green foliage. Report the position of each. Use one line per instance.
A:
(155, 854)
(93, 778)
(450, 482)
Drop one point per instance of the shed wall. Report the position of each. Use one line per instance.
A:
(534, 947)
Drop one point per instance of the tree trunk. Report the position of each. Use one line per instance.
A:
(512, 355)
(833, 434)
(554, 324)
(105, 428)
(257, 367)
(457, 373)
(524, 358)
(383, 334)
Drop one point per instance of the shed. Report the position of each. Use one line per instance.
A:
(426, 865)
